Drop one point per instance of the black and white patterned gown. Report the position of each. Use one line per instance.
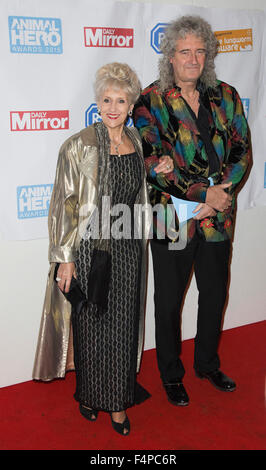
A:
(105, 346)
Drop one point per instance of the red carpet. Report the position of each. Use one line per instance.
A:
(36, 415)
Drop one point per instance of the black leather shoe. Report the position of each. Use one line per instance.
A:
(176, 393)
(218, 379)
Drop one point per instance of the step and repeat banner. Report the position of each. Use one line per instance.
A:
(50, 51)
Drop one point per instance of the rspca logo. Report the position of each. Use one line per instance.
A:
(92, 116)
(157, 34)
(108, 37)
(33, 201)
(28, 35)
(245, 102)
(39, 120)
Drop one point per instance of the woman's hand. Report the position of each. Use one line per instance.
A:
(205, 211)
(64, 275)
(166, 165)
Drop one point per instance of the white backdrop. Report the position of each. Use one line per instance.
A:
(51, 51)
(47, 74)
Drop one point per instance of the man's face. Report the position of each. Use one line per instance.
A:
(189, 59)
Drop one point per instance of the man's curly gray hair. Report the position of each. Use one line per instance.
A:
(179, 29)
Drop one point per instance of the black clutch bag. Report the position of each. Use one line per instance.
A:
(99, 278)
(75, 295)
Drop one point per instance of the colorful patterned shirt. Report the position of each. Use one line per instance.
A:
(167, 127)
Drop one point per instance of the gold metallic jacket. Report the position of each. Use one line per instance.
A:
(74, 196)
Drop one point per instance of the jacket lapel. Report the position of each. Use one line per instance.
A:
(184, 128)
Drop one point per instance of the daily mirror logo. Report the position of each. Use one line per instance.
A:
(108, 37)
(236, 40)
(28, 35)
(33, 201)
(39, 120)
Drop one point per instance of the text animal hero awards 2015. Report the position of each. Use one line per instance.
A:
(33, 201)
(31, 35)
(108, 37)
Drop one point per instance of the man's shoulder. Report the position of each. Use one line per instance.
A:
(225, 88)
(152, 88)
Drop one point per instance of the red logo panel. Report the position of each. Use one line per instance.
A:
(39, 120)
(108, 37)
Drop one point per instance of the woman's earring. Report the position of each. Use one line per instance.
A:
(130, 113)
(99, 111)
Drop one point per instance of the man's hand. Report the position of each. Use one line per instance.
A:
(205, 211)
(218, 198)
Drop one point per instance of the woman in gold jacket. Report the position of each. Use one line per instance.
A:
(102, 162)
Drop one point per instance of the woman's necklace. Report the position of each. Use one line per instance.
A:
(116, 146)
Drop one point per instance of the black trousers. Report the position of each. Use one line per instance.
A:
(172, 270)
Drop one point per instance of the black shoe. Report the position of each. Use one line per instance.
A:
(88, 413)
(121, 427)
(218, 379)
(176, 394)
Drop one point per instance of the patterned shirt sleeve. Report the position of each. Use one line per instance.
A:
(152, 124)
(238, 147)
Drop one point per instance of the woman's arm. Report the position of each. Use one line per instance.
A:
(63, 215)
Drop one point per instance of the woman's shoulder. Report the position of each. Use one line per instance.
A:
(133, 133)
(76, 142)
(88, 136)
(132, 130)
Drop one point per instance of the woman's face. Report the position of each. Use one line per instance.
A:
(114, 106)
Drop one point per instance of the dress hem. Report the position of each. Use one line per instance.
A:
(141, 395)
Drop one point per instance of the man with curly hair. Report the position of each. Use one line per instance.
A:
(199, 122)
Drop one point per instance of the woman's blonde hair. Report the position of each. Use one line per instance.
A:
(117, 75)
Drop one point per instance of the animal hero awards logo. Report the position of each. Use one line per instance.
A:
(39, 120)
(30, 35)
(236, 40)
(92, 116)
(108, 37)
(33, 201)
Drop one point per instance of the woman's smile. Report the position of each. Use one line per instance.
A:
(113, 116)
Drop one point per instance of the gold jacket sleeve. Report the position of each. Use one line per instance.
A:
(64, 206)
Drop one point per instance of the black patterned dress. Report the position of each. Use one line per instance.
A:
(105, 346)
